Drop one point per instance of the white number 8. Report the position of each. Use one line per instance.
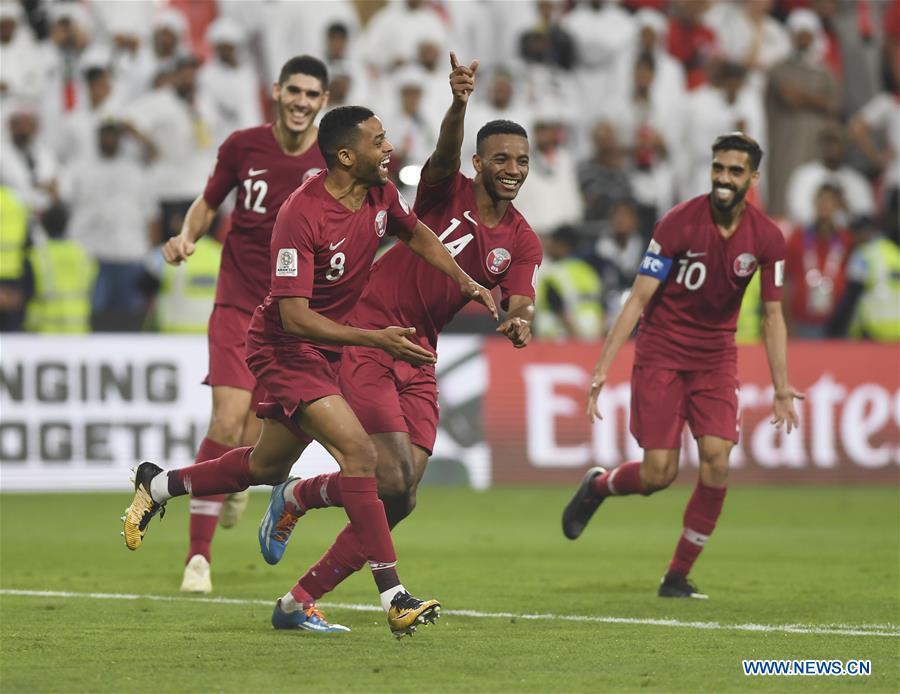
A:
(337, 267)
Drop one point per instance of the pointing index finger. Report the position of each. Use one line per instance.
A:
(454, 61)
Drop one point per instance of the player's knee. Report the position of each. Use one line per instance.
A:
(658, 478)
(360, 457)
(269, 472)
(399, 507)
(714, 470)
(226, 428)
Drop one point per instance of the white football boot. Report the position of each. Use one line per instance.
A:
(233, 508)
(196, 576)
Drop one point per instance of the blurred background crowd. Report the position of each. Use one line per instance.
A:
(112, 112)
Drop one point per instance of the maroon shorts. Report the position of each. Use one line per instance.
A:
(662, 400)
(390, 395)
(291, 376)
(227, 349)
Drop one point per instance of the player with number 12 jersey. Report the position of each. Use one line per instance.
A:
(265, 164)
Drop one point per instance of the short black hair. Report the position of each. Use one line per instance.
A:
(497, 127)
(742, 143)
(339, 129)
(337, 29)
(304, 65)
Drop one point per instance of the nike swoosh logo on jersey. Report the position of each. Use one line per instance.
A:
(468, 216)
(333, 246)
(694, 254)
(256, 172)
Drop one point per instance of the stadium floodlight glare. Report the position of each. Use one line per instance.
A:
(410, 174)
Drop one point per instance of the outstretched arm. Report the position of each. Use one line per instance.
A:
(445, 159)
(641, 292)
(197, 221)
(517, 326)
(299, 319)
(423, 242)
(775, 338)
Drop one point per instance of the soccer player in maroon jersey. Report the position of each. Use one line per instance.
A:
(323, 244)
(688, 293)
(397, 403)
(266, 164)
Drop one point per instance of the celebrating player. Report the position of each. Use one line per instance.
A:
(323, 244)
(397, 403)
(266, 164)
(689, 289)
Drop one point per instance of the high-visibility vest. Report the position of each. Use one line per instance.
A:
(64, 275)
(749, 325)
(13, 234)
(878, 311)
(580, 287)
(188, 291)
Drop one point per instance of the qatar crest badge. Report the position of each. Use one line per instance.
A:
(498, 260)
(381, 222)
(745, 264)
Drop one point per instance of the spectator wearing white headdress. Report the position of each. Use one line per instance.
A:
(168, 41)
(227, 80)
(670, 83)
(77, 129)
(70, 34)
(394, 33)
(22, 74)
(412, 133)
(28, 164)
(801, 98)
(748, 35)
(603, 32)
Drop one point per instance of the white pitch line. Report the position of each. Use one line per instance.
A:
(816, 630)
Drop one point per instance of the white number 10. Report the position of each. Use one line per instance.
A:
(691, 275)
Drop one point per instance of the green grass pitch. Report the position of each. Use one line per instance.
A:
(824, 558)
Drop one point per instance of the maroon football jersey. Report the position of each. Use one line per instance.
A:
(323, 251)
(253, 161)
(405, 290)
(689, 323)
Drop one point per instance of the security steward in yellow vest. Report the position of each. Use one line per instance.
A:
(64, 275)
(14, 277)
(568, 295)
(187, 292)
(870, 308)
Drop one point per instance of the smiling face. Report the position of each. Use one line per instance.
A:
(502, 165)
(731, 178)
(300, 98)
(371, 153)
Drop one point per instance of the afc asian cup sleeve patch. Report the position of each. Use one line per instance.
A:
(779, 273)
(286, 264)
(654, 247)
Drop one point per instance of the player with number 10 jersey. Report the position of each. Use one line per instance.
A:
(688, 294)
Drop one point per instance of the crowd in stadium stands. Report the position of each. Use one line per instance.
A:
(112, 113)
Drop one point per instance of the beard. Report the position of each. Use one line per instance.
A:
(727, 206)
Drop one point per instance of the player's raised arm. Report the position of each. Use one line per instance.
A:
(517, 326)
(775, 338)
(446, 156)
(641, 292)
(424, 243)
(196, 223)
